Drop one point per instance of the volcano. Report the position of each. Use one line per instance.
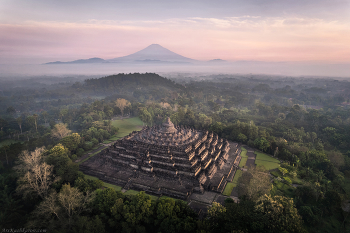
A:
(154, 53)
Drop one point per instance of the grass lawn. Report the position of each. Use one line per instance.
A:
(265, 160)
(7, 142)
(126, 126)
(244, 157)
(113, 138)
(166, 197)
(228, 188)
(231, 185)
(153, 198)
(237, 176)
(117, 188)
(133, 192)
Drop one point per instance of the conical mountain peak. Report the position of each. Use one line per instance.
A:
(153, 53)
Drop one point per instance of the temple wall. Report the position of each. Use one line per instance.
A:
(165, 170)
(147, 169)
(204, 155)
(163, 163)
(190, 174)
(206, 164)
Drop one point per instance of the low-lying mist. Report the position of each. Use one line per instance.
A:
(239, 67)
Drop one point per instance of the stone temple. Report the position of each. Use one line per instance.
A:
(167, 160)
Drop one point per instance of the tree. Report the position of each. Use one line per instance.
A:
(283, 170)
(261, 143)
(71, 142)
(87, 185)
(135, 213)
(11, 110)
(72, 200)
(5, 148)
(45, 115)
(63, 166)
(121, 104)
(337, 158)
(60, 131)
(89, 224)
(35, 116)
(279, 214)
(215, 210)
(165, 105)
(3, 123)
(35, 175)
(105, 199)
(173, 216)
(145, 116)
(30, 121)
(19, 122)
(64, 206)
(254, 183)
(242, 138)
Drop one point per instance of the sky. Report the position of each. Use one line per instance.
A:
(38, 31)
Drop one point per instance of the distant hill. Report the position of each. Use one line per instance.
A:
(80, 61)
(131, 86)
(130, 82)
(217, 60)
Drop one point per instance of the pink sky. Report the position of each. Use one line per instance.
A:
(298, 36)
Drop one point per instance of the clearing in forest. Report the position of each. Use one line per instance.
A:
(267, 161)
(126, 126)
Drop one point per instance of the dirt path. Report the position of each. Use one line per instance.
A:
(251, 159)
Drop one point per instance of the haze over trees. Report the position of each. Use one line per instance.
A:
(304, 122)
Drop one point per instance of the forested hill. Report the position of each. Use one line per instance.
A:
(131, 81)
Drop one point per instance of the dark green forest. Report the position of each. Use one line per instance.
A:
(45, 126)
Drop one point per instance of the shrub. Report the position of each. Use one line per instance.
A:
(80, 152)
(74, 157)
(88, 146)
(94, 141)
(287, 180)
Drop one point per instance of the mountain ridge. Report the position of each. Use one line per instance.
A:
(80, 61)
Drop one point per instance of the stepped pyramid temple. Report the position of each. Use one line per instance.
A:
(167, 160)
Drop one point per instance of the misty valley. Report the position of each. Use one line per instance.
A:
(242, 152)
